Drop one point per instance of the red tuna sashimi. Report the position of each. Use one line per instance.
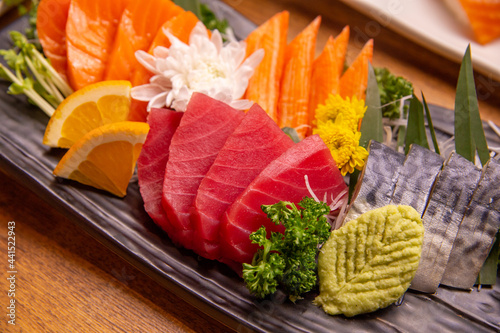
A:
(152, 162)
(282, 180)
(204, 128)
(255, 143)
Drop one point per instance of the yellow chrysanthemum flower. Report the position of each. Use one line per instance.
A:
(343, 143)
(352, 111)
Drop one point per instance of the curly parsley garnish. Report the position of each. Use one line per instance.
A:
(288, 259)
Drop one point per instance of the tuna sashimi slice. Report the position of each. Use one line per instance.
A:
(282, 180)
(202, 132)
(152, 162)
(255, 143)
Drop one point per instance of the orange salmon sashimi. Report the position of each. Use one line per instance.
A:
(51, 19)
(138, 26)
(484, 18)
(326, 72)
(180, 26)
(264, 85)
(296, 80)
(90, 32)
(355, 79)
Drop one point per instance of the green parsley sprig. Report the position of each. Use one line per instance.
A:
(288, 259)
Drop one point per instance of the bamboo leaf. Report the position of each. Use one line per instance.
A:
(469, 133)
(488, 273)
(415, 131)
(431, 126)
(371, 126)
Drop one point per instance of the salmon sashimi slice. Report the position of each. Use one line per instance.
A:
(355, 79)
(51, 19)
(90, 32)
(255, 143)
(484, 18)
(153, 160)
(264, 85)
(138, 26)
(284, 179)
(179, 26)
(326, 72)
(202, 132)
(296, 80)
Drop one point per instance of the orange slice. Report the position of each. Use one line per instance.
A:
(105, 157)
(88, 108)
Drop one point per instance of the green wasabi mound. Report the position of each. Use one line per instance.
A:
(369, 263)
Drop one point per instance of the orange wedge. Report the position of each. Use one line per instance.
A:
(355, 79)
(296, 80)
(264, 85)
(327, 70)
(484, 18)
(105, 157)
(88, 108)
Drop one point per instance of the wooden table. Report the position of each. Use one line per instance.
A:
(68, 282)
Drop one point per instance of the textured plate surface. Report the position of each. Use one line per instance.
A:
(123, 226)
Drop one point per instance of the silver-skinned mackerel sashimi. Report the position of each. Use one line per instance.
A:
(153, 160)
(282, 180)
(202, 132)
(255, 143)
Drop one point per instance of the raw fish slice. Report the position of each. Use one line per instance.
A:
(416, 178)
(153, 160)
(264, 85)
(51, 19)
(253, 145)
(282, 180)
(90, 32)
(203, 130)
(446, 208)
(477, 231)
(378, 180)
(138, 26)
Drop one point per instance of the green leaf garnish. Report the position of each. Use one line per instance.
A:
(488, 273)
(415, 131)
(469, 133)
(431, 126)
(371, 126)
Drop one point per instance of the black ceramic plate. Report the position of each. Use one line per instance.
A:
(124, 227)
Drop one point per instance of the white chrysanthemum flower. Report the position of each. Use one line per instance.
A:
(205, 65)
